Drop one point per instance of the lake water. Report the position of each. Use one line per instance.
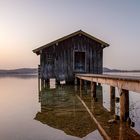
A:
(26, 114)
(20, 109)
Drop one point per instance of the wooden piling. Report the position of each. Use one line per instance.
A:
(112, 100)
(42, 84)
(39, 84)
(81, 84)
(124, 105)
(46, 83)
(94, 89)
(39, 78)
(91, 88)
(100, 94)
(75, 81)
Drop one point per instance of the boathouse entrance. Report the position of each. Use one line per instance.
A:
(79, 61)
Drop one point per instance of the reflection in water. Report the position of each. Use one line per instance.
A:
(19, 105)
(134, 106)
(61, 109)
(113, 128)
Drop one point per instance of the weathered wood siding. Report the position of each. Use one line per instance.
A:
(57, 61)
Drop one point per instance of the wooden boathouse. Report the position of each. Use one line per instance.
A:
(78, 52)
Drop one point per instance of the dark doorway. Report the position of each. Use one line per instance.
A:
(79, 61)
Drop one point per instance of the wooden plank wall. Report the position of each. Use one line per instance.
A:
(57, 61)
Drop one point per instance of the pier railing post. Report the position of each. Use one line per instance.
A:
(112, 100)
(124, 105)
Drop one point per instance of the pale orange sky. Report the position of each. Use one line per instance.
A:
(28, 24)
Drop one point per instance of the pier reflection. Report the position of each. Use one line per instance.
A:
(114, 129)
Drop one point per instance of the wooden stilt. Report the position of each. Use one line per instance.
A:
(112, 100)
(94, 89)
(42, 84)
(81, 84)
(45, 83)
(76, 84)
(85, 84)
(39, 78)
(91, 86)
(75, 81)
(100, 93)
(124, 105)
(38, 84)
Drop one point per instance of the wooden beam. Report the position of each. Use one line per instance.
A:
(93, 89)
(42, 84)
(81, 84)
(75, 81)
(112, 100)
(124, 105)
(124, 82)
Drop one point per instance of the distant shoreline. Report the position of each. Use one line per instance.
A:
(23, 76)
(117, 70)
(121, 71)
(34, 72)
(21, 71)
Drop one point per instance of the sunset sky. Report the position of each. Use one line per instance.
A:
(28, 24)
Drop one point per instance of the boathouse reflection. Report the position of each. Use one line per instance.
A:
(61, 109)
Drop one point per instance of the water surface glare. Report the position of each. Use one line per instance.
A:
(20, 110)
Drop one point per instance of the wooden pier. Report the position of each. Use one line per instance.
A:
(123, 83)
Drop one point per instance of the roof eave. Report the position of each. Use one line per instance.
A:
(104, 44)
(36, 51)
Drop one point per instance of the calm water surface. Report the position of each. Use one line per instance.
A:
(21, 113)
(53, 115)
